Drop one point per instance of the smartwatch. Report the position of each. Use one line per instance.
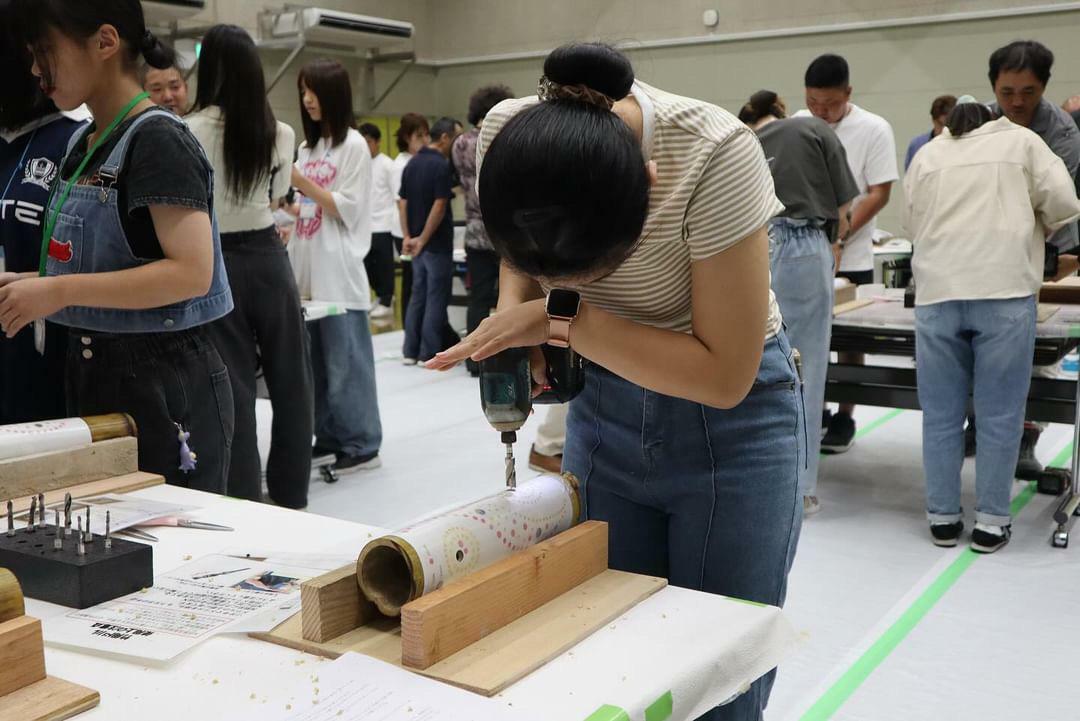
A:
(562, 309)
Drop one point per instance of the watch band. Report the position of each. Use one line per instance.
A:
(559, 332)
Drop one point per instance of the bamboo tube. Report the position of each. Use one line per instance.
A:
(396, 569)
(115, 425)
(11, 597)
(65, 434)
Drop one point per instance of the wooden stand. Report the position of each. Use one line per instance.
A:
(26, 692)
(483, 632)
(29, 475)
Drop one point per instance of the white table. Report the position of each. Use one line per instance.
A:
(701, 648)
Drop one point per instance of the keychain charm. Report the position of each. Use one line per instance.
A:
(188, 458)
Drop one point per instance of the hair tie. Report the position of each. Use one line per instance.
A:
(549, 91)
(149, 41)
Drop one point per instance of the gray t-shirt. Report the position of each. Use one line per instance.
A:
(809, 167)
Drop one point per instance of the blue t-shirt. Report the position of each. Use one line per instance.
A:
(31, 386)
(427, 178)
(915, 145)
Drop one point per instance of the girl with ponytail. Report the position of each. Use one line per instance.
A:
(632, 226)
(131, 259)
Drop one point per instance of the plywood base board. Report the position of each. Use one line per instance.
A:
(506, 656)
(51, 699)
(61, 469)
(117, 484)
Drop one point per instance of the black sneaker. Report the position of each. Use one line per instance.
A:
(349, 464)
(987, 539)
(322, 452)
(946, 535)
(1028, 467)
(969, 438)
(841, 435)
(826, 418)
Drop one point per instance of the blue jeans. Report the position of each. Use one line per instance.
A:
(801, 261)
(346, 402)
(706, 498)
(985, 346)
(433, 274)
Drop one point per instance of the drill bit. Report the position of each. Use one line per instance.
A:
(67, 515)
(58, 541)
(10, 519)
(33, 514)
(89, 533)
(108, 532)
(41, 508)
(509, 438)
(80, 547)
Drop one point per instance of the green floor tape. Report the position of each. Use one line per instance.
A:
(841, 691)
(609, 713)
(661, 710)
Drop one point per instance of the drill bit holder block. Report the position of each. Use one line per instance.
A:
(69, 579)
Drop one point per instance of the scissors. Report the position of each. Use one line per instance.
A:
(177, 522)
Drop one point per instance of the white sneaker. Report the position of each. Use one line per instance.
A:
(408, 361)
(381, 312)
(810, 505)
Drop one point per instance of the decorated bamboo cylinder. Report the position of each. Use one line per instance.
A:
(11, 597)
(396, 569)
(30, 439)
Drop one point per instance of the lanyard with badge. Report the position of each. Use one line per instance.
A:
(53, 212)
(308, 207)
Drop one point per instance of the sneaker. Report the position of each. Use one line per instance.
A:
(1028, 467)
(348, 464)
(987, 539)
(946, 535)
(545, 464)
(408, 361)
(841, 435)
(969, 439)
(810, 505)
(826, 419)
(381, 312)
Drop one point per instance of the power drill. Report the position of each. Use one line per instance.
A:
(506, 391)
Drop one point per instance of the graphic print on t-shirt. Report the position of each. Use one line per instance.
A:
(321, 172)
(40, 172)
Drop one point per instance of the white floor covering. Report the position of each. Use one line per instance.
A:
(998, 645)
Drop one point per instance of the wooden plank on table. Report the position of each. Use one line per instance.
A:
(51, 699)
(119, 484)
(22, 654)
(506, 656)
(60, 469)
(332, 604)
(1045, 312)
(851, 305)
(444, 622)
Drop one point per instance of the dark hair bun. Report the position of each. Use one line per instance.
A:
(157, 54)
(594, 65)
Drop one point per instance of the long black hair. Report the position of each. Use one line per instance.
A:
(231, 78)
(79, 19)
(21, 99)
(966, 117)
(329, 80)
(564, 190)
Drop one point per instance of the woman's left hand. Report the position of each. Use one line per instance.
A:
(24, 301)
(520, 326)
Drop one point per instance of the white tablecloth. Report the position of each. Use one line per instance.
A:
(702, 649)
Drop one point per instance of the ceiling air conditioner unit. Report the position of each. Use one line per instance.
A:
(161, 13)
(342, 31)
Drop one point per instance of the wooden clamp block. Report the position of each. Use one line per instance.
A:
(332, 604)
(446, 621)
(22, 654)
(50, 471)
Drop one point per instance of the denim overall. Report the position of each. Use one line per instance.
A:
(157, 365)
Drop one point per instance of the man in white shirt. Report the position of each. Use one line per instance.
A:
(871, 153)
(380, 259)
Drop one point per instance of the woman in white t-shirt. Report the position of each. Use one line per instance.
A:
(982, 198)
(332, 237)
(413, 134)
(252, 157)
(642, 216)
